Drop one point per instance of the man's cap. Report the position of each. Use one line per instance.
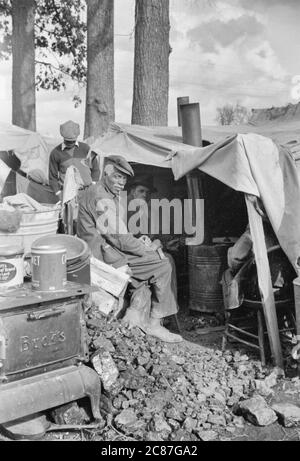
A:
(70, 130)
(145, 180)
(120, 163)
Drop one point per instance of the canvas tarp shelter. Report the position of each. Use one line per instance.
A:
(249, 163)
(31, 148)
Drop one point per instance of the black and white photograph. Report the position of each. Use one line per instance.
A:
(149, 224)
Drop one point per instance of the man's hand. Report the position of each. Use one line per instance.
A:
(172, 245)
(59, 195)
(126, 269)
(156, 244)
(257, 205)
(145, 240)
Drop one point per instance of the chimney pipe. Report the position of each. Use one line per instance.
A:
(196, 180)
(181, 100)
(191, 124)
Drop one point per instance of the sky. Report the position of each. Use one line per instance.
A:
(223, 51)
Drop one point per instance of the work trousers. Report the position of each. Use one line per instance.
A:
(158, 274)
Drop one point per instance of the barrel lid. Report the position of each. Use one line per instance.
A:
(48, 248)
(77, 249)
(10, 250)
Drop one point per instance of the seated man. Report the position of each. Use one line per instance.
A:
(101, 225)
(140, 189)
(240, 279)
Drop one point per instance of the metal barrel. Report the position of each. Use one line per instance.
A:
(48, 267)
(206, 265)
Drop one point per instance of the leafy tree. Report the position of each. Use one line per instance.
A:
(60, 41)
(232, 115)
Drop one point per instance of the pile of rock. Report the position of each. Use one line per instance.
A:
(158, 391)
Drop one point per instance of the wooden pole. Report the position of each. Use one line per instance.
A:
(265, 282)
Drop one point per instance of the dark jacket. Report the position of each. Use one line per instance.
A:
(110, 247)
(60, 160)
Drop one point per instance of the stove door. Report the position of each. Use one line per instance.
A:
(43, 338)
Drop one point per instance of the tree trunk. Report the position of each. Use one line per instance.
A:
(23, 53)
(100, 107)
(151, 63)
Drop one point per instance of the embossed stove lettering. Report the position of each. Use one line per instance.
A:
(28, 343)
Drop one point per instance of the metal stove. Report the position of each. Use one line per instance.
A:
(43, 349)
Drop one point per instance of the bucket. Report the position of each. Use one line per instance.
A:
(206, 264)
(48, 267)
(34, 224)
(11, 267)
(78, 256)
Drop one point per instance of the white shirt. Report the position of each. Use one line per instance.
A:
(63, 146)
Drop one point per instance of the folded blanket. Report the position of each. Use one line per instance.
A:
(24, 202)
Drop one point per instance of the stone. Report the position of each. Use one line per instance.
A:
(160, 424)
(206, 426)
(238, 421)
(231, 401)
(288, 414)
(175, 425)
(174, 413)
(178, 360)
(94, 323)
(230, 429)
(189, 424)
(208, 436)
(208, 391)
(71, 414)
(216, 420)
(202, 416)
(153, 437)
(220, 397)
(158, 401)
(106, 405)
(103, 343)
(273, 377)
(106, 369)
(143, 359)
(183, 436)
(201, 398)
(257, 411)
(118, 401)
(127, 418)
(262, 387)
